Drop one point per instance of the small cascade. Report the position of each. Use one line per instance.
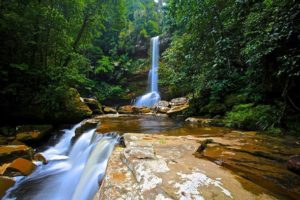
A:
(152, 95)
(73, 172)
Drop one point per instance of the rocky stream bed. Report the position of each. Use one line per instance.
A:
(162, 158)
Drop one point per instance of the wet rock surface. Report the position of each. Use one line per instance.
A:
(10, 152)
(93, 105)
(5, 183)
(32, 133)
(20, 167)
(164, 167)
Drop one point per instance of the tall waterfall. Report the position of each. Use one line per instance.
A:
(152, 95)
(73, 172)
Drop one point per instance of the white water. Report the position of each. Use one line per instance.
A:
(73, 172)
(152, 95)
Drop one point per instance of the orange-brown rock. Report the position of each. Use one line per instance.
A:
(4, 167)
(40, 157)
(32, 132)
(22, 166)
(5, 184)
(10, 152)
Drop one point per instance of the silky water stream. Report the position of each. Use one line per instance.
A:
(73, 171)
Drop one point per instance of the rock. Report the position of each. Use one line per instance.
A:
(179, 101)
(143, 109)
(5, 184)
(163, 109)
(177, 109)
(85, 126)
(32, 132)
(94, 105)
(151, 169)
(110, 110)
(20, 166)
(10, 152)
(203, 145)
(40, 157)
(205, 121)
(162, 104)
(74, 109)
(293, 164)
(128, 109)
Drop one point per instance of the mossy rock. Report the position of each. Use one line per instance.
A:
(94, 105)
(74, 109)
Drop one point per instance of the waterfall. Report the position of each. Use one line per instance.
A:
(73, 172)
(152, 95)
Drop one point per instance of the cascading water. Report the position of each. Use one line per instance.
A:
(73, 172)
(152, 96)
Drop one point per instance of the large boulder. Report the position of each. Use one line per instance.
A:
(5, 184)
(32, 133)
(10, 152)
(20, 166)
(294, 164)
(94, 105)
(73, 108)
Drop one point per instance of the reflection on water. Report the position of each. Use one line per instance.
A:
(138, 124)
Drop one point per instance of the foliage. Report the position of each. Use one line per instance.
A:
(48, 47)
(249, 116)
(246, 48)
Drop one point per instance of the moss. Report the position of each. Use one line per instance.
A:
(73, 109)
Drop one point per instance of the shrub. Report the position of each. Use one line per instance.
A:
(251, 117)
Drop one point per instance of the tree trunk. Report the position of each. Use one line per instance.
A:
(78, 37)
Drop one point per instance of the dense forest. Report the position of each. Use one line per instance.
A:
(234, 59)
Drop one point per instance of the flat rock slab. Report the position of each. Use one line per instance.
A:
(163, 167)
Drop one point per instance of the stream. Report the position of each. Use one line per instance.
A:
(75, 171)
